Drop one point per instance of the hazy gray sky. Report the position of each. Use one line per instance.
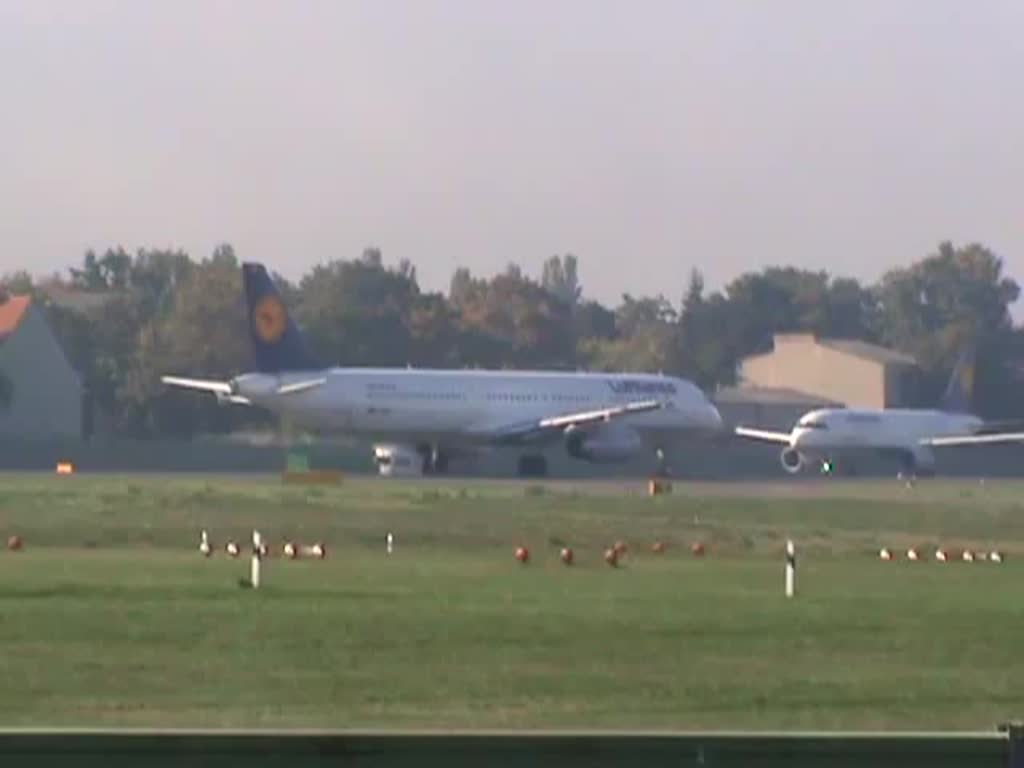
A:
(646, 137)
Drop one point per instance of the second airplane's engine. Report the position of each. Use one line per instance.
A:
(791, 460)
(603, 445)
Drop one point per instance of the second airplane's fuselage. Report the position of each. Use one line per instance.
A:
(434, 404)
(835, 431)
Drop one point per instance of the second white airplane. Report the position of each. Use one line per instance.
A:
(439, 414)
(833, 437)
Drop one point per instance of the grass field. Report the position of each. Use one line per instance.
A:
(111, 617)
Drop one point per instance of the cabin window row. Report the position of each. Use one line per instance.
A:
(508, 397)
(415, 396)
(535, 397)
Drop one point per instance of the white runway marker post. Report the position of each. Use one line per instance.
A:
(257, 557)
(204, 544)
(790, 568)
(391, 543)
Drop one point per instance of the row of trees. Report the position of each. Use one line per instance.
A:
(157, 311)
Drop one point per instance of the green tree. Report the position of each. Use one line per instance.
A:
(635, 314)
(953, 298)
(359, 312)
(18, 283)
(591, 320)
(512, 321)
(706, 347)
(463, 287)
(102, 338)
(107, 272)
(646, 349)
(372, 257)
(786, 299)
(560, 278)
(643, 339)
(154, 276)
(434, 332)
(204, 334)
(115, 328)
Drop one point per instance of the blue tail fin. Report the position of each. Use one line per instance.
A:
(960, 391)
(277, 344)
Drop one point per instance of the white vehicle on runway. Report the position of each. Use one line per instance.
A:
(837, 435)
(397, 461)
(442, 413)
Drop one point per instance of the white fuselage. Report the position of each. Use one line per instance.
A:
(833, 432)
(450, 405)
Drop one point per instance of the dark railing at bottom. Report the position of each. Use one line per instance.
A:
(296, 749)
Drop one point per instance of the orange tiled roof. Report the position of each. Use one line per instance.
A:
(11, 312)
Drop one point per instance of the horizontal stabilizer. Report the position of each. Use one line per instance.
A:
(765, 435)
(223, 390)
(203, 385)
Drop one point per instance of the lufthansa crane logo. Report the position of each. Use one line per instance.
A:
(268, 319)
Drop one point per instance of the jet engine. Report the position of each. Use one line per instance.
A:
(791, 460)
(603, 446)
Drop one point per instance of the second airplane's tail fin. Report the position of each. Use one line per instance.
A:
(277, 344)
(960, 391)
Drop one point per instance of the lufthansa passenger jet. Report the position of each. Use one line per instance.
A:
(443, 413)
(832, 435)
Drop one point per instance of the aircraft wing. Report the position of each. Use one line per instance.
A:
(1004, 437)
(203, 385)
(764, 435)
(538, 429)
